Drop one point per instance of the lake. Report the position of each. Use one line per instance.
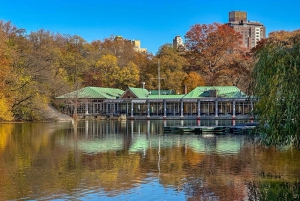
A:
(135, 160)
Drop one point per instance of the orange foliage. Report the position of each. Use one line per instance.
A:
(210, 48)
(193, 80)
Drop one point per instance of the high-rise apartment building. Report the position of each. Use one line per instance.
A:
(252, 31)
(136, 43)
(178, 43)
(137, 46)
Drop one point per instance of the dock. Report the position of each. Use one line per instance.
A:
(238, 129)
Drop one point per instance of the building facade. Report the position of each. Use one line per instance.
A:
(137, 46)
(251, 31)
(204, 102)
(177, 42)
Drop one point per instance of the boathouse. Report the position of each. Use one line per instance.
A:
(204, 102)
(89, 101)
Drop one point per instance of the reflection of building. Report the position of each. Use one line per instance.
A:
(251, 31)
(205, 102)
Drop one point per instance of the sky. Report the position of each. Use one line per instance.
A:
(153, 22)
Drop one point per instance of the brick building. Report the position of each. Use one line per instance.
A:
(252, 31)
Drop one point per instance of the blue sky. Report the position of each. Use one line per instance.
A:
(153, 22)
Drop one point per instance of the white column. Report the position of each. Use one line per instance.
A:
(165, 108)
(86, 108)
(233, 109)
(148, 109)
(181, 108)
(199, 108)
(132, 109)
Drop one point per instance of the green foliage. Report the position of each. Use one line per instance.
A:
(276, 86)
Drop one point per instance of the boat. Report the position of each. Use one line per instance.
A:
(214, 129)
(243, 128)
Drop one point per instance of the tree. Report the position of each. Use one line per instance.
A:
(121, 48)
(283, 35)
(91, 73)
(210, 48)
(193, 80)
(171, 68)
(276, 88)
(5, 69)
(128, 76)
(108, 70)
(73, 60)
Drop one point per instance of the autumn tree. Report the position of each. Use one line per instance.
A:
(193, 80)
(128, 76)
(171, 68)
(18, 80)
(210, 49)
(149, 72)
(73, 60)
(92, 72)
(108, 71)
(121, 48)
(5, 70)
(238, 72)
(283, 35)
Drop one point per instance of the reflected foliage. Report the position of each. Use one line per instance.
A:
(58, 160)
(274, 190)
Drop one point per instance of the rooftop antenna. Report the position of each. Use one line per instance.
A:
(158, 78)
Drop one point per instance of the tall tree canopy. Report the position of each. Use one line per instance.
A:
(211, 49)
(193, 80)
(276, 78)
(37, 67)
(5, 73)
(172, 66)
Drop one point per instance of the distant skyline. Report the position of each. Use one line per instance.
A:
(153, 22)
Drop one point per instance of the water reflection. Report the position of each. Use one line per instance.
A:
(130, 160)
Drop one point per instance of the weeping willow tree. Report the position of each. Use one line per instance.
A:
(276, 85)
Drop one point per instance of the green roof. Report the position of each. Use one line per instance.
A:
(144, 93)
(221, 92)
(139, 92)
(94, 93)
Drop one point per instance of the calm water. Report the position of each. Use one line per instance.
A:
(134, 160)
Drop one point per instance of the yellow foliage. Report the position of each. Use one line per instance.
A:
(129, 76)
(5, 109)
(193, 80)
